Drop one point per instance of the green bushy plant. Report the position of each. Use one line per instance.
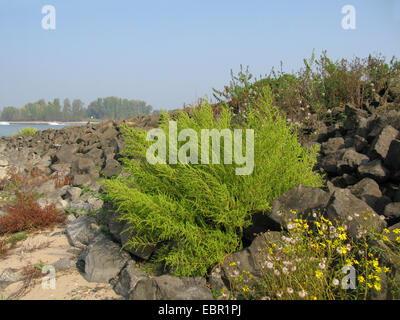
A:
(320, 86)
(195, 214)
(26, 131)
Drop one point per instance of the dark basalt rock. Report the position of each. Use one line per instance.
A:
(358, 216)
(167, 287)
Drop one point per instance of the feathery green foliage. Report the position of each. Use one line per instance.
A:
(26, 131)
(195, 214)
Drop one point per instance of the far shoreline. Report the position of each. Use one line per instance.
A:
(48, 122)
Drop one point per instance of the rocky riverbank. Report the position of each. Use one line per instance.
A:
(360, 158)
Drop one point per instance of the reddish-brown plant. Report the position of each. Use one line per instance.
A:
(26, 214)
(63, 181)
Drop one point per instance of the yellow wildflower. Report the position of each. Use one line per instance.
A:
(377, 286)
(386, 269)
(342, 250)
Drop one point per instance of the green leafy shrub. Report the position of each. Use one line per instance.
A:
(195, 214)
(26, 131)
(321, 85)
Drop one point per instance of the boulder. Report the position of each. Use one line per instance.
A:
(329, 163)
(115, 227)
(350, 160)
(70, 218)
(97, 156)
(64, 264)
(119, 232)
(250, 259)
(358, 143)
(359, 217)
(8, 277)
(216, 282)
(80, 206)
(376, 125)
(95, 203)
(61, 168)
(109, 133)
(66, 153)
(102, 260)
(374, 170)
(82, 166)
(46, 188)
(299, 201)
(82, 231)
(332, 145)
(392, 210)
(167, 287)
(128, 278)
(62, 204)
(380, 145)
(365, 189)
(396, 197)
(3, 161)
(143, 252)
(74, 193)
(45, 161)
(368, 191)
(112, 168)
(356, 119)
(109, 152)
(344, 180)
(88, 139)
(82, 180)
(392, 160)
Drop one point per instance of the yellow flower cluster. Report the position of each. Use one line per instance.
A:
(310, 257)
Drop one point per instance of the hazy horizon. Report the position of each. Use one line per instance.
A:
(171, 53)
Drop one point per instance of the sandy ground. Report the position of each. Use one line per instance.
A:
(46, 248)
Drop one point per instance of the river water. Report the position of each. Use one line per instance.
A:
(10, 129)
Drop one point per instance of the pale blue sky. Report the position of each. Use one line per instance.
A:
(174, 51)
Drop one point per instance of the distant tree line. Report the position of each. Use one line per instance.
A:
(110, 108)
